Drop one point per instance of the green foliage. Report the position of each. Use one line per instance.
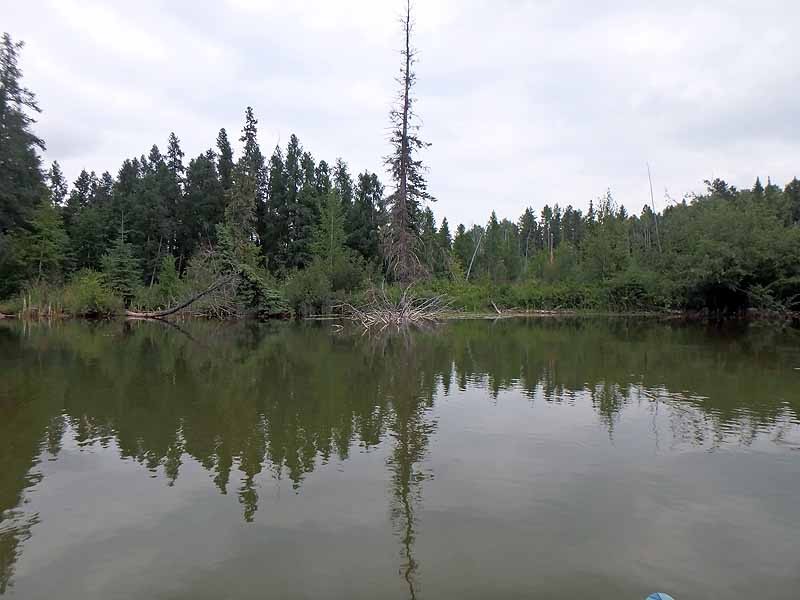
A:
(328, 241)
(121, 270)
(21, 181)
(168, 282)
(40, 251)
(256, 222)
(308, 291)
(88, 294)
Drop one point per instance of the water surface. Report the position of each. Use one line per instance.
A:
(510, 459)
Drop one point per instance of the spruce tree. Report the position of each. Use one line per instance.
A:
(328, 244)
(343, 183)
(43, 247)
(202, 206)
(252, 163)
(429, 241)
(792, 193)
(22, 184)
(225, 159)
(528, 233)
(57, 184)
(444, 246)
(322, 177)
(306, 215)
(121, 269)
(407, 171)
(174, 157)
(364, 218)
(463, 247)
(79, 198)
(273, 228)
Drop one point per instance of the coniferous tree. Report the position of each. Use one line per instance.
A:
(493, 263)
(121, 268)
(225, 160)
(407, 171)
(57, 184)
(364, 217)
(42, 248)
(78, 198)
(252, 161)
(287, 217)
(322, 177)
(428, 241)
(343, 183)
(305, 216)
(271, 226)
(328, 245)
(792, 192)
(174, 157)
(174, 193)
(758, 189)
(202, 206)
(444, 246)
(22, 184)
(463, 247)
(151, 218)
(528, 235)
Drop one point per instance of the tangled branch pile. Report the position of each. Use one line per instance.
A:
(383, 312)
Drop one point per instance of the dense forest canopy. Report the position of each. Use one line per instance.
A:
(300, 233)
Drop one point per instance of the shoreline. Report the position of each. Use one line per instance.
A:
(455, 315)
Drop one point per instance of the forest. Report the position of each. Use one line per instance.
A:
(282, 233)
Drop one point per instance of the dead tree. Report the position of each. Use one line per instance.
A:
(407, 171)
(160, 314)
(383, 312)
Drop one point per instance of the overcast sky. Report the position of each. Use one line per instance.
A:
(525, 103)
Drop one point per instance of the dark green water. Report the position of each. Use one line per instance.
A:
(517, 459)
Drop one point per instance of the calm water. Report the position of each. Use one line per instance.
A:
(516, 459)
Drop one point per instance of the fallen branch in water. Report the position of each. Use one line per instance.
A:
(160, 314)
(383, 312)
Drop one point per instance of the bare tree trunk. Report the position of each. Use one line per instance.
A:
(403, 241)
(155, 264)
(478, 245)
(653, 206)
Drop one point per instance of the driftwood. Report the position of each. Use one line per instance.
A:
(383, 312)
(160, 314)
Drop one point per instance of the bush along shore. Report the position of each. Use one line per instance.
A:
(226, 236)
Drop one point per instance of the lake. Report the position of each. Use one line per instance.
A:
(551, 458)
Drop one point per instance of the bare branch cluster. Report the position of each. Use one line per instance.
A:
(383, 312)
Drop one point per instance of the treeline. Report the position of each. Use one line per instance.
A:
(300, 235)
(160, 226)
(724, 250)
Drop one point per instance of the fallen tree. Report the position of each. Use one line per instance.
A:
(160, 314)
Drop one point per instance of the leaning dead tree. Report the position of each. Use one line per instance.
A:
(407, 171)
(160, 314)
(383, 312)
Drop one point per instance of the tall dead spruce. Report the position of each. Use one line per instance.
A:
(407, 171)
(401, 239)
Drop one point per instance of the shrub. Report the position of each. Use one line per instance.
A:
(87, 295)
(308, 291)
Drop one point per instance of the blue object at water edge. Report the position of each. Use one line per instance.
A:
(659, 596)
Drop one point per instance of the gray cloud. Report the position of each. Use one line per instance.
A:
(526, 103)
